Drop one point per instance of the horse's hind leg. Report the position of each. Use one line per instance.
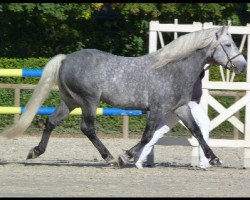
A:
(54, 119)
(88, 128)
(185, 115)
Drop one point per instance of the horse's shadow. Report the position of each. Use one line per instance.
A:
(98, 164)
(190, 167)
(56, 163)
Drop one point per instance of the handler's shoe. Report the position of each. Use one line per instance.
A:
(205, 165)
(138, 164)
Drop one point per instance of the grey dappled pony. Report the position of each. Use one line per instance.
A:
(160, 82)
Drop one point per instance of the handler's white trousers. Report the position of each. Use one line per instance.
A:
(200, 118)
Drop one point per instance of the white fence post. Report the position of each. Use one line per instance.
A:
(195, 149)
(152, 48)
(125, 122)
(152, 37)
(247, 110)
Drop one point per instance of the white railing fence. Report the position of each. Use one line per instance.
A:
(226, 84)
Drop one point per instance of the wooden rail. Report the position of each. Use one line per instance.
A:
(18, 87)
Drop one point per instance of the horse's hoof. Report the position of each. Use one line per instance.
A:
(215, 161)
(122, 160)
(32, 154)
(113, 163)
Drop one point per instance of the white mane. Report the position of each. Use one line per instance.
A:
(184, 46)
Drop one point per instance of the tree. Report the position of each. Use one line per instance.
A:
(41, 29)
(46, 29)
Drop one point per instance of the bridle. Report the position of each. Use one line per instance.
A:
(229, 60)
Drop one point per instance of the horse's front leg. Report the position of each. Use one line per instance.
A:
(185, 115)
(152, 123)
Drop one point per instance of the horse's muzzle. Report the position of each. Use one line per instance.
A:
(240, 67)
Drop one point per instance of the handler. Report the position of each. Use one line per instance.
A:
(200, 118)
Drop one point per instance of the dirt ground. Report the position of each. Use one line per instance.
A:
(72, 167)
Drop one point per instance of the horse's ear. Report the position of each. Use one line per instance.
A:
(223, 30)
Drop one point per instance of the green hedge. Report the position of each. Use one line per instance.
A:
(104, 124)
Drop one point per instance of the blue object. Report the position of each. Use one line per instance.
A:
(32, 72)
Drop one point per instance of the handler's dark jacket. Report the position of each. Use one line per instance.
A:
(197, 91)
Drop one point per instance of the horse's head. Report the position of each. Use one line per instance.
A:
(224, 52)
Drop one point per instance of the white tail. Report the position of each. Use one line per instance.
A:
(47, 81)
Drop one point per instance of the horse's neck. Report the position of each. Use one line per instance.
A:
(190, 66)
(196, 62)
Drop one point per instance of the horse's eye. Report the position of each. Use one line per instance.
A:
(228, 45)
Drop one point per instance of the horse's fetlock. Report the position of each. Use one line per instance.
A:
(39, 150)
(215, 161)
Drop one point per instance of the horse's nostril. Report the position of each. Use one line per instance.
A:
(244, 68)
